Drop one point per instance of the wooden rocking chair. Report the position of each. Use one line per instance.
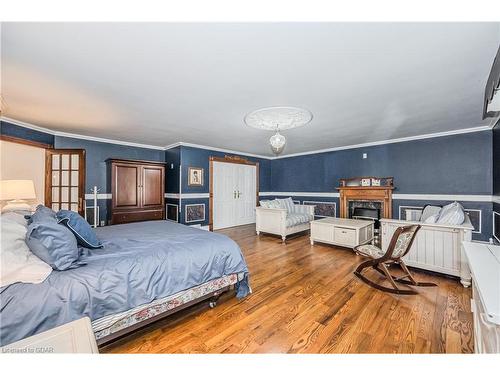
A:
(398, 247)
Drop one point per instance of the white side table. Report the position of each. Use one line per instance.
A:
(74, 337)
(342, 232)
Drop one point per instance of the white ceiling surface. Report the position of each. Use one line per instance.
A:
(159, 84)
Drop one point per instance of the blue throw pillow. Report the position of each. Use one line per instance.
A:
(41, 213)
(81, 229)
(54, 244)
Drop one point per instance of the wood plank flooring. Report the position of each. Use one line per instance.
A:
(306, 300)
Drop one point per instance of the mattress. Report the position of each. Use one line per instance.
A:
(116, 322)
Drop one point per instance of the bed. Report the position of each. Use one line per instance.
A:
(144, 271)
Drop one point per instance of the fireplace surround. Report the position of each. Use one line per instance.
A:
(366, 192)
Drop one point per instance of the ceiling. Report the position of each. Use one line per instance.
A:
(162, 83)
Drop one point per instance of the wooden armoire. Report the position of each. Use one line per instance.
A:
(138, 190)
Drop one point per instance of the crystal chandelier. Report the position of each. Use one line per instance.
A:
(278, 119)
(277, 142)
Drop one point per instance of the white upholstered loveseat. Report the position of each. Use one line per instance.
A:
(282, 217)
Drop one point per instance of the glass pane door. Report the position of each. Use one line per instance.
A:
(65, 182)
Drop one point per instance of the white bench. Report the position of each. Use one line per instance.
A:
(437, 247)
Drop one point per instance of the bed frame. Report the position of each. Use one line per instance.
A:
(212, 298)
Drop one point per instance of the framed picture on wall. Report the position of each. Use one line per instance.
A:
(195, 176)
(195, 212)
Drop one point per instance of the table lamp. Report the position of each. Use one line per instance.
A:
(17, 192)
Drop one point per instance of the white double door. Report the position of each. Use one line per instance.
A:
(234, 194)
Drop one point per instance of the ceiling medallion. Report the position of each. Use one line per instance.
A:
(278, 119)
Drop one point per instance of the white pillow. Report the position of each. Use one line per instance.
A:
(452, 214)
(287, 204)
(428, 212)
(265, 203)
(17, 262)
(431, 219)
(270, 204)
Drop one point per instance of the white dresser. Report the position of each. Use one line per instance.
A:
(74, 337)
(342, 232)
(484, 263)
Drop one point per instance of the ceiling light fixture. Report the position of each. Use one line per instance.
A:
(278, 119)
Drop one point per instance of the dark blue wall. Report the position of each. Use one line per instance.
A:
(173, 159)
(197, 157)
(458, 164)
(98, 152)
(6, 128)
(496, 159)
(96, 155)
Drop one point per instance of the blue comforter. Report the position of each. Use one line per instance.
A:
(140, 262)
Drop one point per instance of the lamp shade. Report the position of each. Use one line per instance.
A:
(17, 189)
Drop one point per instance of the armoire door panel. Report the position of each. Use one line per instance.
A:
(138, 189)
(152, 186)
(126, 186)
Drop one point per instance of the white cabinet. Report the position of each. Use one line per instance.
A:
(484, 261)
(436, 247)
(341, 232)
(73, 337)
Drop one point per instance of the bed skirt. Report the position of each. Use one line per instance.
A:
(109, 327)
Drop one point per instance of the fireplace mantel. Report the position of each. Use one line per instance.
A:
(382, 194)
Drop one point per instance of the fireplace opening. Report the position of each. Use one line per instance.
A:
(366, 210)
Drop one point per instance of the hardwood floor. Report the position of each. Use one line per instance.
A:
(306, 300)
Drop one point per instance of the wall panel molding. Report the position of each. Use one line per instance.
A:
(420, 197)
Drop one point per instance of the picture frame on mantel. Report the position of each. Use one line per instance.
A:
(195, 176)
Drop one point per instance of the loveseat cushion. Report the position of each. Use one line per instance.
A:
(287, 204)
(296, 219)
(270, 204)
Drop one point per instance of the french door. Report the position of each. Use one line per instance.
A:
(65, 179)
(234, 194)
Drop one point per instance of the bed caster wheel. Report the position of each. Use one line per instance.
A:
(213, 301)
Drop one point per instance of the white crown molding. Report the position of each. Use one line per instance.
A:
(389, 141)
(173, 145)
(78, 136)
(494, 120)
(495, 199)
(27, 125)
(111, 141)
(225, 150)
